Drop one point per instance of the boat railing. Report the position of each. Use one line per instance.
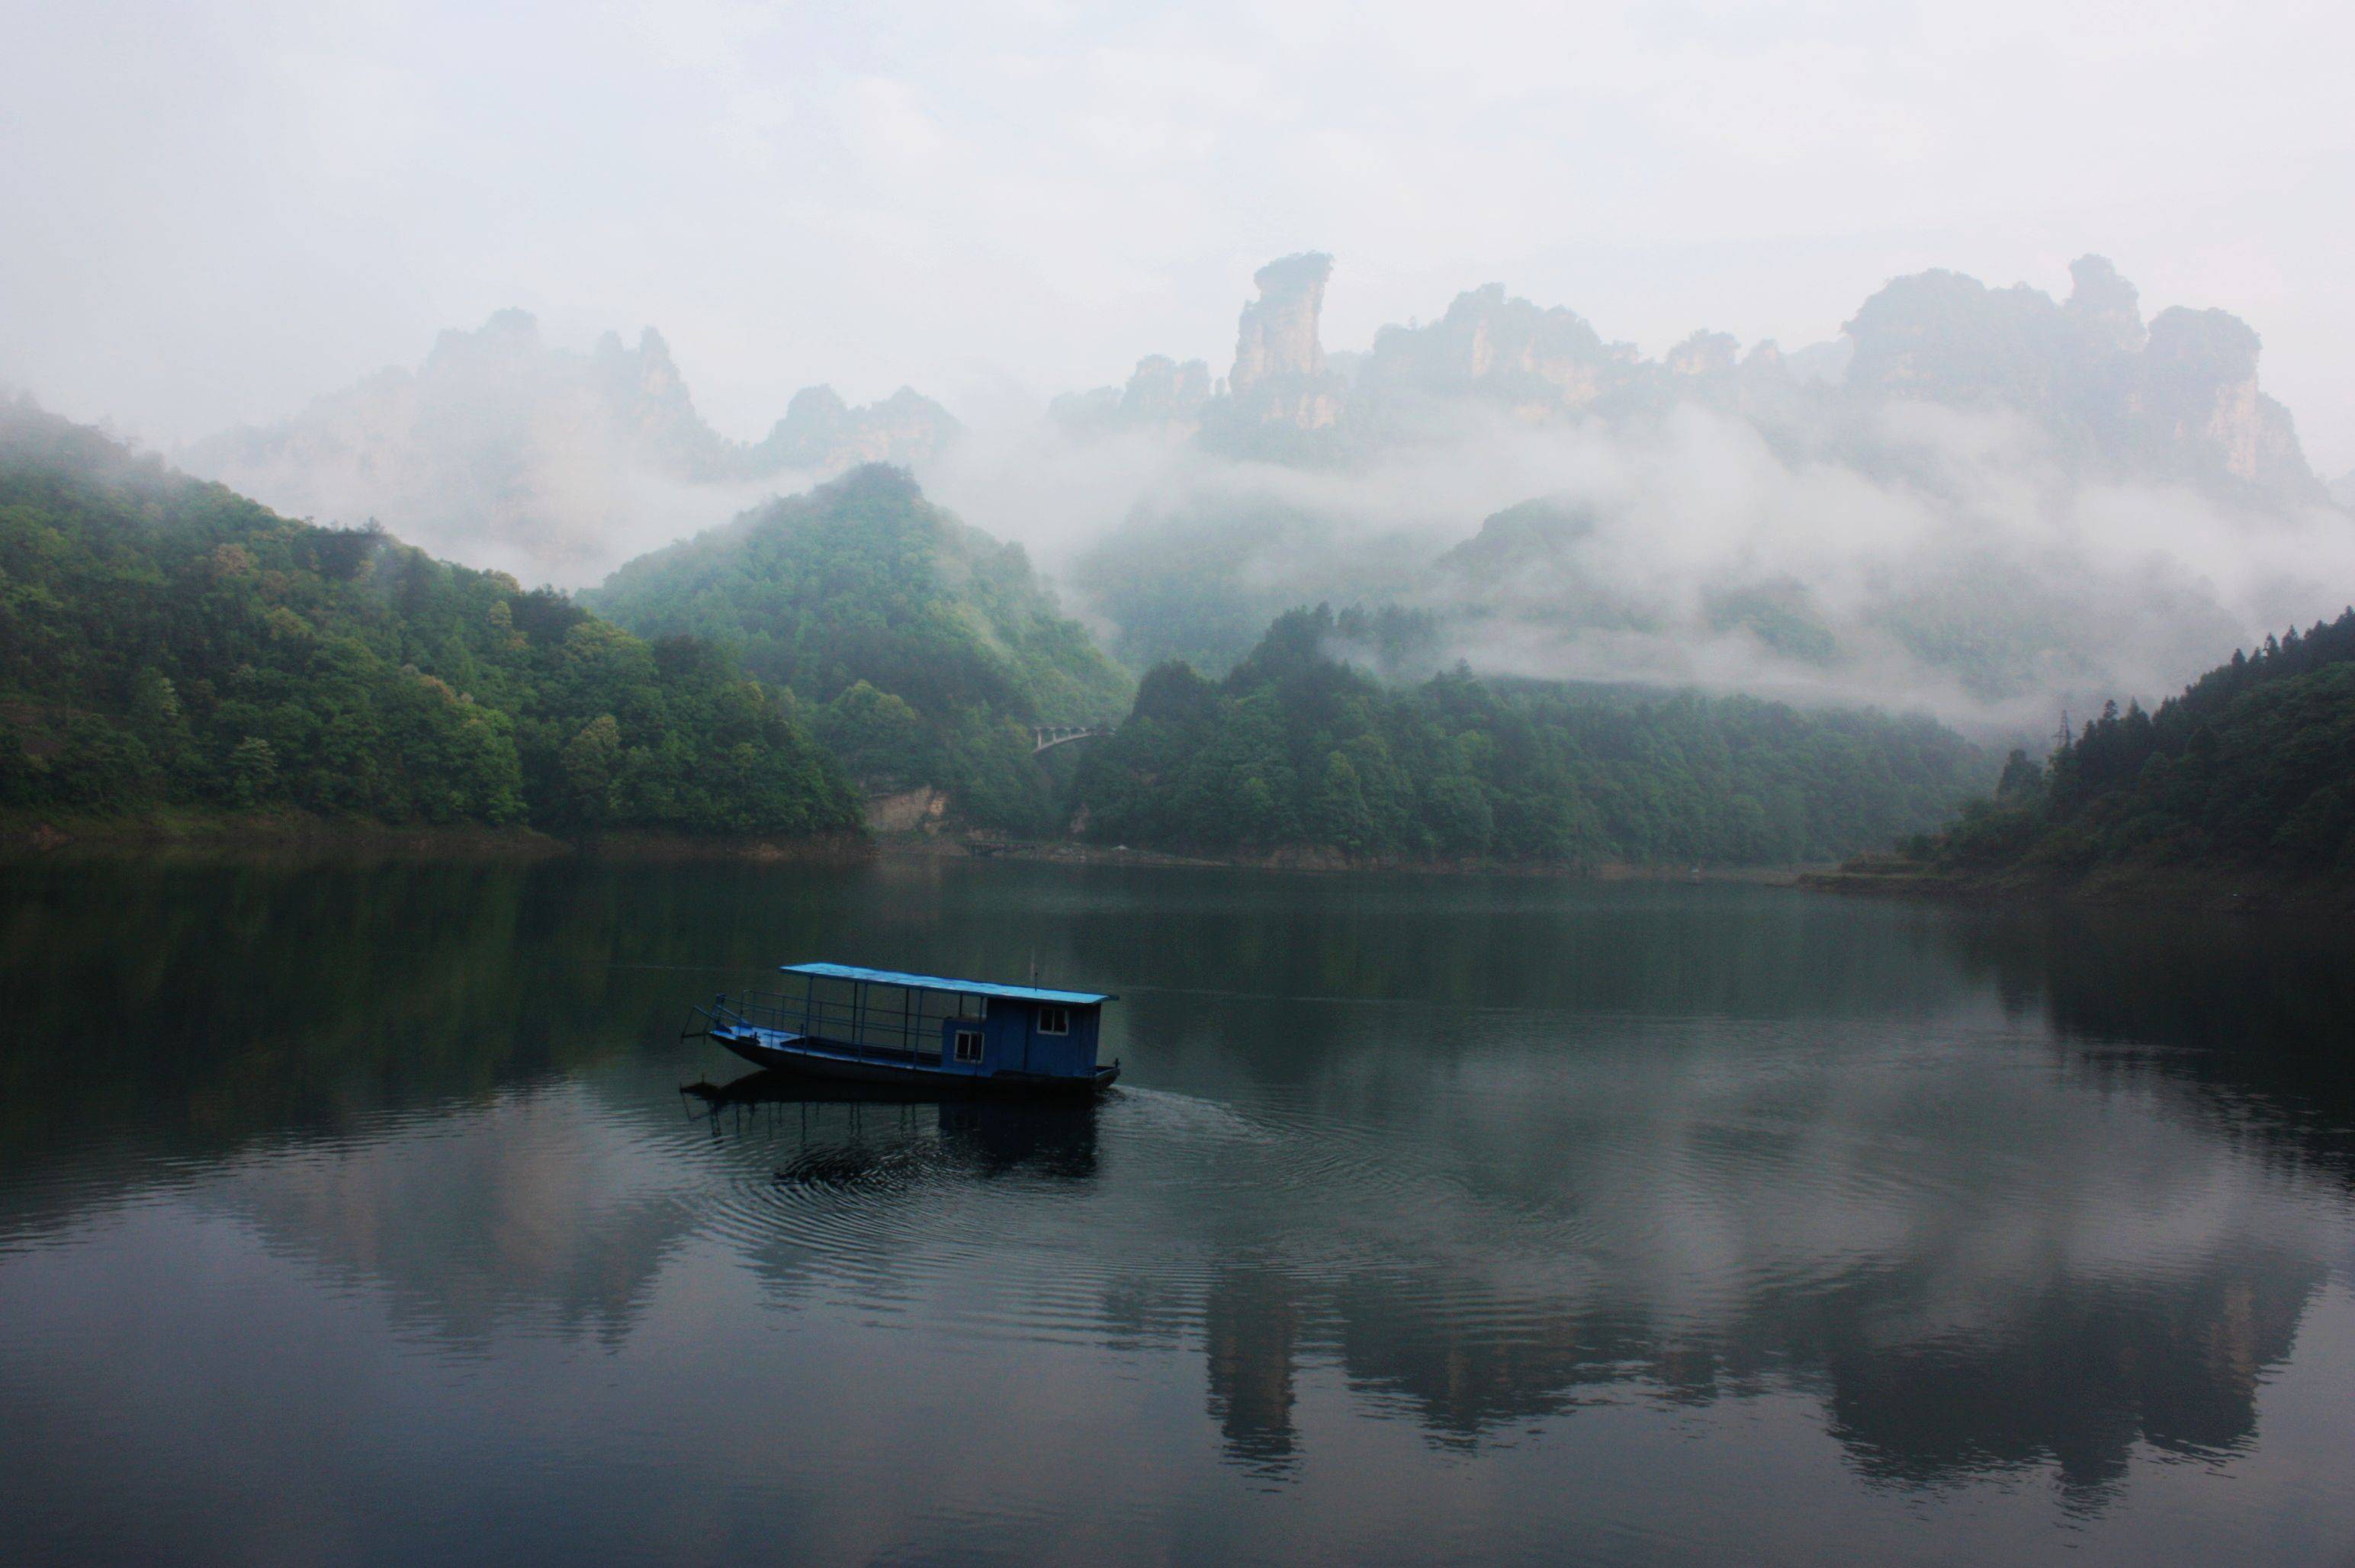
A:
(844, 1024)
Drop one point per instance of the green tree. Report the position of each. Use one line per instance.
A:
(1293, 747)
(876, 736)
(863, 582)
(253, 772)
(166, 641)
(1337, 814)
(592, 766)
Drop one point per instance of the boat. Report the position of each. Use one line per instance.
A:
(920, 1031)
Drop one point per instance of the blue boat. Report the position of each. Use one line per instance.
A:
(885, 1026)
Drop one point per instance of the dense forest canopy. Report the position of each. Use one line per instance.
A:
(2251, 767)
(926, 648)
(1294, 749)
(167, 643)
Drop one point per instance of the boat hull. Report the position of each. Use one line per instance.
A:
(798, 1054)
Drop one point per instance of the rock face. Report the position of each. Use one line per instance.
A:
(2178, 399)
(1162, 395)
(2197, 394)
(1277, 335)
(2342, 490)
(821, 433)
(2103, 305)
(1281, 386)
(1162, 392)
(919, 810)
(645, 400)
(504, 451)
(1501, 350)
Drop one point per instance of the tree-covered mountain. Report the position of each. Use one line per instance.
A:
(513, 452)
(926, 648)
(165, 643)
(2250, 770)
(1293, 750)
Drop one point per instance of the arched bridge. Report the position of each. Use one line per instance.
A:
(1042, 736)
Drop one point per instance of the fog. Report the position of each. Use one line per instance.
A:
(2088, 589)
(218, 209)
(260, 238)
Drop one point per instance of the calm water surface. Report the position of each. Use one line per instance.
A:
(356, 1213)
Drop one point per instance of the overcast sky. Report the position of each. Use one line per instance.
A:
(214, 211)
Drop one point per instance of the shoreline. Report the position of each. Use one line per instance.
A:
(281, 836)
(1328, 863)
(299, 836)
(2226, 892)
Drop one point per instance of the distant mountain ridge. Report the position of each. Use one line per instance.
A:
(508, 446)
(2177, 397)
(1931, 503)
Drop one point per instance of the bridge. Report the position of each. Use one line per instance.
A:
(1043, 736)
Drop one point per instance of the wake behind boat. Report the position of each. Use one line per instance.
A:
(885, 1025)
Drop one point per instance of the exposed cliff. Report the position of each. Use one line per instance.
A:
(2175, 400)
(1277, 336)
(821, 433)
(1282, 401)
(1161, 395)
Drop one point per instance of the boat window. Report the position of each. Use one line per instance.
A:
(968, 1045)
(1054, 1020)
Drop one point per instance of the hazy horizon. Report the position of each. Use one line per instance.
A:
(998, 204)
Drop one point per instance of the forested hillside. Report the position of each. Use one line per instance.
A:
(926, 648)
(1295, 750)
(165, 643)
(2250, 768)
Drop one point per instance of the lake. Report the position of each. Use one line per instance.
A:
(356, 1213)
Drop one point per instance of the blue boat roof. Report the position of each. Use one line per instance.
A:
(938, 983)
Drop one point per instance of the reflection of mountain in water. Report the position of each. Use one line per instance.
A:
(2077, 1378)
(1251, 1327)
(2086, 1373)
(2260, 1022)
(1484, 1154)
(540, 1205)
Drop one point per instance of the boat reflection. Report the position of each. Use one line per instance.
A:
(989, 1137)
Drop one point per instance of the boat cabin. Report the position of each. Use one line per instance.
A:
(967, 1028)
